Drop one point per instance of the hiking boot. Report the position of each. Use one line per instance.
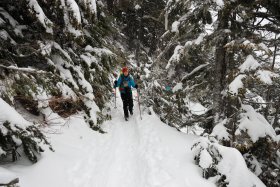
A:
(126, 118)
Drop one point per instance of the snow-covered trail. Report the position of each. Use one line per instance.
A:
(137, 153)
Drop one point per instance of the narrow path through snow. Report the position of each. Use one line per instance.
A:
(137, 153)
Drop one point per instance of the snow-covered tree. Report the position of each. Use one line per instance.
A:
(56, 58)
(221, 54)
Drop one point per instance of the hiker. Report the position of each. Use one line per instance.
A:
(125, 82)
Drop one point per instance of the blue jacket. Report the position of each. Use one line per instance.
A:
(125, 83)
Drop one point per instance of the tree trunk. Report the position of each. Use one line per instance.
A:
(220, 68)
(110, 5)
(270, 87)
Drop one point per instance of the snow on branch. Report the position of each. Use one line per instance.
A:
(26, 70)
(72, 5)
(18, 132)
(246, 44)
(220, 131)
(220, 3)
(226, 166)
(178, 53)
(5, 36)
(250, 64)
(38, 12)
(72, 17)
(254, 124)
(236, 84)
(198, 68)
(266, 76)
(90, 4)
(17, 28)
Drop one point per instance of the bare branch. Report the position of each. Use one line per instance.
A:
(26, 70)
(12, 182)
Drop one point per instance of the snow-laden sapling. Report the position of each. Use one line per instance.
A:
(223, 165)
(18, 135)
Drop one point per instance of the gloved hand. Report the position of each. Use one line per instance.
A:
(115, 83)
(136, 86)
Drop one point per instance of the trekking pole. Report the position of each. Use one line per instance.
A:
(139, 103)
(115, 98)
(115, 86)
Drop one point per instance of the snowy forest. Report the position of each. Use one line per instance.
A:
(206, 110)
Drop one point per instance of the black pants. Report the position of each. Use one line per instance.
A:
(127, 103)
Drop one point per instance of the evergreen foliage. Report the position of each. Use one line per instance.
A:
(16, 137)
(223, 55)
(56, 57)
(236, 40)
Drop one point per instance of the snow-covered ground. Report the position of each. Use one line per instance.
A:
(137, 153)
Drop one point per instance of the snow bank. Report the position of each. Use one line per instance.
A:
(8, 113)
(218, 161)
(6, 176)
(136, 153)
(234, 167)
(16, 132)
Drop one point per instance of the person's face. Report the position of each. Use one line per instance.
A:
(125, 73)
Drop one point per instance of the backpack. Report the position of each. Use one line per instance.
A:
(124, 86)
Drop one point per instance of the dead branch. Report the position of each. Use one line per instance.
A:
(13, 182)
(26, 70)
